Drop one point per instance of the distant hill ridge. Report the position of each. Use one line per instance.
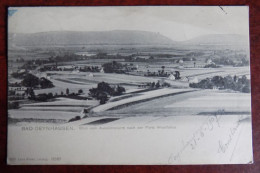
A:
(118, 37)
(91, 37)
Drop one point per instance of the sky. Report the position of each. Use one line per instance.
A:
(176, 22)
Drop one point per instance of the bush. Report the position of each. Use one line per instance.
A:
(13, 105)
(19, 75)
(33, 81)
(45, 83)
(31, 94)
(30, 81)
(211, 66)
(75, 118)
(43, 97)
(80, 91)
(103, 98)
(113, 67)
(119, 90)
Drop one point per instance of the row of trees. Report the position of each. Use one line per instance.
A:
(13, 105)
(241, 84)
(89, 69)
(32, 81)
(45, 97)
(158, 85)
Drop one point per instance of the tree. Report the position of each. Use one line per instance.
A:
(237, 84)
(153, 84)
(30, 93)
(245, 61)
(157, 85)
(112, 67)
(80, 91)
(177, 75)
(103, 86)
(42, 97)
(13, 105)
(67, 91)
(229, 82)
(45, 83)
(120, 90)
(163, 67)
(103, 90)
(50, 95)
(30, 81)
(218, 81)
(103, 98)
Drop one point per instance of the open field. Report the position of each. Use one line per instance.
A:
(206, 102)
(139, 98)
(61, 108)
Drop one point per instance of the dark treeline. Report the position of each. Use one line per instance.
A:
(241, 84)
(29, 80)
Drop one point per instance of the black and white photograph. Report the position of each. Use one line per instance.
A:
(129, 85)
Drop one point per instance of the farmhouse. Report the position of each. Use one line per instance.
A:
(209, 61)
(171, 77)
(17, 88)
(193, 80)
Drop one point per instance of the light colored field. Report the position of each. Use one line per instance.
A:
(62, 108)
(142, 96)
(203, 73)
(234, 101)
(66, 102)
(47, 114)
(192, 103)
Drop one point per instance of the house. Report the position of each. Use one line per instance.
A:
(193, 80)
(17, 88)
(171, 77)
(184, 79)
(91, 75)
(209, 61)
(75, 71)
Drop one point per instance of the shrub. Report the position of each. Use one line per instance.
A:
(45, 83)
(112, 67)
(80, 91)
(13, 105)
(30, 81)
(43, 97)
(75, 118)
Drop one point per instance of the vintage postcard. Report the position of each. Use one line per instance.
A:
(129, 85)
